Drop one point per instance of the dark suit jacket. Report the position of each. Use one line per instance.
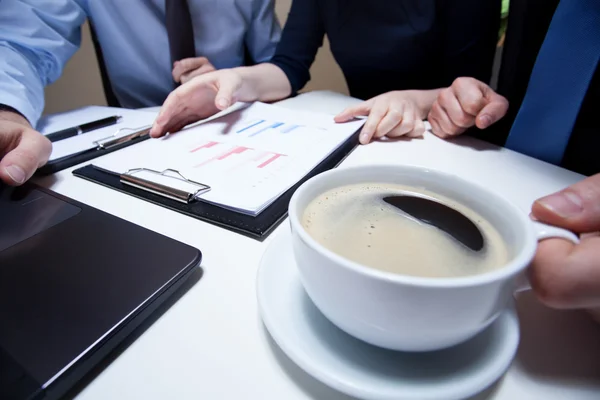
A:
(384, 45)
(528, 23)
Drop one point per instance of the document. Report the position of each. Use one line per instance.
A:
(248, 157)
(132, 120)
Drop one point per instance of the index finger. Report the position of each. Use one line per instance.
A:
(361, 109)
(173, 105)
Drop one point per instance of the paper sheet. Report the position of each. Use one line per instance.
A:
(249, 157)
(55, 122)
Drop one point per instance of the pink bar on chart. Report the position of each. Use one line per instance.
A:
(274, 157)
(205, 146)
(260, 156)
(235, 150)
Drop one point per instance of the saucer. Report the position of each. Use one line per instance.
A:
(359, 369)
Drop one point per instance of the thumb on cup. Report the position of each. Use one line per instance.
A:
(576, 208)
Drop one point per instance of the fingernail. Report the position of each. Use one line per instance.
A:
(364, 137)
(222, 103)
(486, 120)
(532, 217)
(565, 204)
(16, 173)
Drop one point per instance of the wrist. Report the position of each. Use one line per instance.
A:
(249, 89)
(8, 113)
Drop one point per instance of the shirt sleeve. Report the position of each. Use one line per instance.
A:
(264, 32)
(301, 38)
(470, 34)
(37, 38)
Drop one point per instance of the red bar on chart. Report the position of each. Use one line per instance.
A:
(235, 150)
(204, 146)
(274, 157)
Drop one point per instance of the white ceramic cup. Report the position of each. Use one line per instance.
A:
(409, 313)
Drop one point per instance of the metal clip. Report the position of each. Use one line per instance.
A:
(160, 188)
(115, 139)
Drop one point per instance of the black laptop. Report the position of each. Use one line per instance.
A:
(74, 283)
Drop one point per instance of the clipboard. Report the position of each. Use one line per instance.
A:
(181, 196)
(101, 147)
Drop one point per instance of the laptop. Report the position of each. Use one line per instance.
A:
(75, 282)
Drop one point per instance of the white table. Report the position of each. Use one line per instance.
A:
(211, 343)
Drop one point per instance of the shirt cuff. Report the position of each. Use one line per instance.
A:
(20, 106)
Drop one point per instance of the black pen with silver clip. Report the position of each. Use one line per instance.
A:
(80, 129)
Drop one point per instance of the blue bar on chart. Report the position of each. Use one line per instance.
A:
(252, 125)
(289, 128)
(275, 125)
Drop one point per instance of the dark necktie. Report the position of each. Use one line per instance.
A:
(559, 81)
(179, 29)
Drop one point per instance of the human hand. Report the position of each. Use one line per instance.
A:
(466, 103)
(22, 149)
(186, 69)
(566, 275)
(200, 98)
(391, 114)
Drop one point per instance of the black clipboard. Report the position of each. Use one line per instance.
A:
(104, 146)
(257, 227)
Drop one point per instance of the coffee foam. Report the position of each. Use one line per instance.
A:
(354, 222)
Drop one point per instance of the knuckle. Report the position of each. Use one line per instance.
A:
(463, 81)
(472, 106)
(462, 120)
(183, 64)
(437, 109)
(445, 96)
(395, 113)
(433, 111)
(409, 124)
(394, 133)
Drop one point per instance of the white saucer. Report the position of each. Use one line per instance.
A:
(364, 371)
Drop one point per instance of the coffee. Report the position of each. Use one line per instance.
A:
(354, 222)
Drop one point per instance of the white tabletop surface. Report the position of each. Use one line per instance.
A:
(211, 344)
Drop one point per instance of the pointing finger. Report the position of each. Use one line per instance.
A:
(354, 111)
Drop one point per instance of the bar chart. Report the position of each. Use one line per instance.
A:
(227, 157)
(248, 157)
(261, 126)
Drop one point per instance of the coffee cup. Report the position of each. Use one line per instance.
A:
(411, 313)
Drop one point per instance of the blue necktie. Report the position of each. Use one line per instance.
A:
(559, 81)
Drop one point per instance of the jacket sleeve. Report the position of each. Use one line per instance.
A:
(302, 36)
(470, 34)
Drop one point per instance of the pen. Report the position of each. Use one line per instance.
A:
(78, 130)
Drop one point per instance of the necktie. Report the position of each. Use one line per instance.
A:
(559, 81)
(179, 30)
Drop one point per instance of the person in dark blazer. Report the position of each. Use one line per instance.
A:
(546, 106)
(395, 55)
